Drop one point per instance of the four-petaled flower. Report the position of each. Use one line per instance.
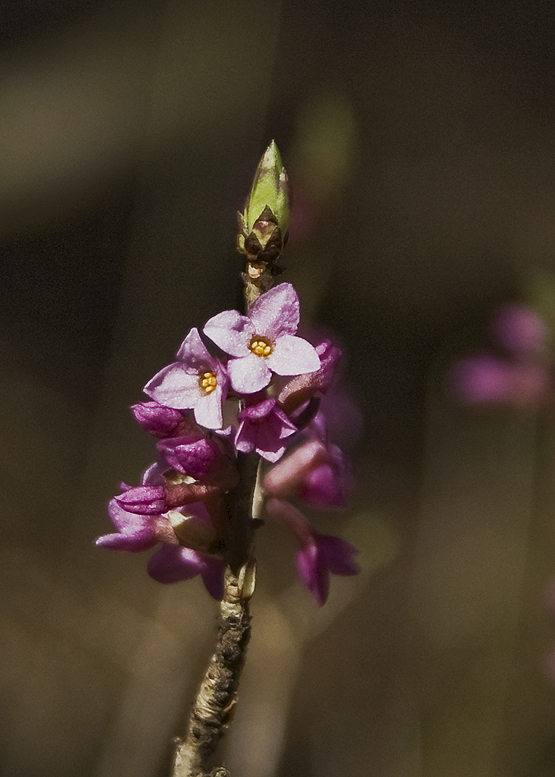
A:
(263, 341)
(197, 380)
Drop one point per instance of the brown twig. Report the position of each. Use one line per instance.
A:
(217, 696)
(215, 701)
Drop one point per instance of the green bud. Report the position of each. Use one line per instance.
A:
(263, 224)
(270, 188)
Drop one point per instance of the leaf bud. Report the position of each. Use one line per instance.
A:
(264, 223)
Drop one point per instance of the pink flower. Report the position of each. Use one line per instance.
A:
(172, 563)
(523, 377)
(265, 428)
(320, 554)
(152, 500)
(194, 456)
(316, 472)
(263, 341)
(327, 484)
(200, 458)
(134, 532)
(177, 531)
(197, 380)
(486, 379)
(161, 421)
(186, 518)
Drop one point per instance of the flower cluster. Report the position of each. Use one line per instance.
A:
(267, 386)
(519, 374)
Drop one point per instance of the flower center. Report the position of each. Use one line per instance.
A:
(207, 382)
(260, 346)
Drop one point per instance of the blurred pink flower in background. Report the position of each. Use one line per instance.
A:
(519, 374)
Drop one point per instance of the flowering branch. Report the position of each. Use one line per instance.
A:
(202, 500)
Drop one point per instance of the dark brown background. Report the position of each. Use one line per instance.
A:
(419, 140)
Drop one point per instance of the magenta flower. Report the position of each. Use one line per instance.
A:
(196, 456)
(177, 531)
(523, 377)
(486, 379)
(315, 472)
(285, 478)
(197, 380)
(327, 484)
(161, 421)
(265, 428)
(135, 532)
(200, 458)
(173, 563)
(263, 341)
(319, 554)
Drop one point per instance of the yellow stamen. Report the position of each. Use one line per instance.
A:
(260, 346)
(207, 382)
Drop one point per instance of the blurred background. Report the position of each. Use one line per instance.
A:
(419, 141)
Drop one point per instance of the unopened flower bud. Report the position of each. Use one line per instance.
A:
(264, 223)
(143, 500)
(157, 419)
(193, 456)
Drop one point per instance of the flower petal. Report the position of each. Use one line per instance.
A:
(325, 554)
(208, 409)
(153, 475)
(293, 356)
(313, 573)
(128, 522)
(249, 374)
(135, 532)
(213, 576)
(257, 411)
(172, 563)
(267, 433)
(326, 485)
(231, 331)
(302, 387)
(338, 554)
(276, 313)
(174, 387)
(134, 543)
(143, 500)
(195, 355)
